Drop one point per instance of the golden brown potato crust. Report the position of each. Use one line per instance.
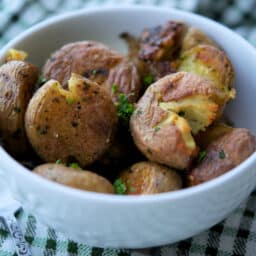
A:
(211, 63)
(158, 135)
(76, 178)
(87, 58)
(223, 154)
(150, 178)
(78, 123)
(194, 37)
(17, 81)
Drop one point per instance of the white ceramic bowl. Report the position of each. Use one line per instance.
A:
(135, 221)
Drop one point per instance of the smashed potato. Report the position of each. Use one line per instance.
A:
(170, 111)
(76, 123)
(17, 81)
(150, 178)
(76, 178)
(211, 63)
(223, 154)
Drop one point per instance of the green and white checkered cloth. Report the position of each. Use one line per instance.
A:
(235, 236)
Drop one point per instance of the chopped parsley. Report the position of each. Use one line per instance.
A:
(70, 101)
(94, 72)
(132, 189)
(157, 129)
(41, 80)
(114, 88)
(58, 161)
(222, 154)
(119, 187)
(201, 156)
(148, 79)
(74, 165)
(124, 109)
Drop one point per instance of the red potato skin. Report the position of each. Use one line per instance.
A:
(237, 146)
(86, 58)
(83, 129)
(17, 82)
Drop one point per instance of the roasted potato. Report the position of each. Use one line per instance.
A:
(17, 81)
(211, 63)
(150, 178)
(76, 178)
(79, 122)
(124, 78)
(194, 37)
(169, 112)
(223, 154)
(90, 59)
(204, 138)
(161, 43)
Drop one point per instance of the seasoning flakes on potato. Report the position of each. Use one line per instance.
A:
(147, 178)
(75, 177)
(90, 59)
(223, 154)
(76, 123)
(17, 81)
(90, 111)
(170, 111)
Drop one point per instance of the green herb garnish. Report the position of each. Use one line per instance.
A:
(148, 79)
(132, 189)
(114, 88)
(41, 80)
(94, 72)
(70, 101)
(201, 156)
(124, 109)
(222, 154)
(119, 187)
(58, 161)
(74, 165)
(157, 129)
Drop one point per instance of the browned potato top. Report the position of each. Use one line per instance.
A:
(211, 63)
(150, 178)
(17, 81)
(79, 122)
(223, 154)
(194, 37)
(76, 178)
(166, 115)
(87, 58)
(161, 42)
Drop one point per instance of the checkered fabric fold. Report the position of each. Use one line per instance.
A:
(235, 236)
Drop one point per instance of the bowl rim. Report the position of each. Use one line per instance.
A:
(16, 167)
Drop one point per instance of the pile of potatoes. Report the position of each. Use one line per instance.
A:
(145, 123)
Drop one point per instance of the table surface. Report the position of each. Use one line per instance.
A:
(235, 236)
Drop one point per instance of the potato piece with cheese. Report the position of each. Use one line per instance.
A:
(213, 64)
(170, 111)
